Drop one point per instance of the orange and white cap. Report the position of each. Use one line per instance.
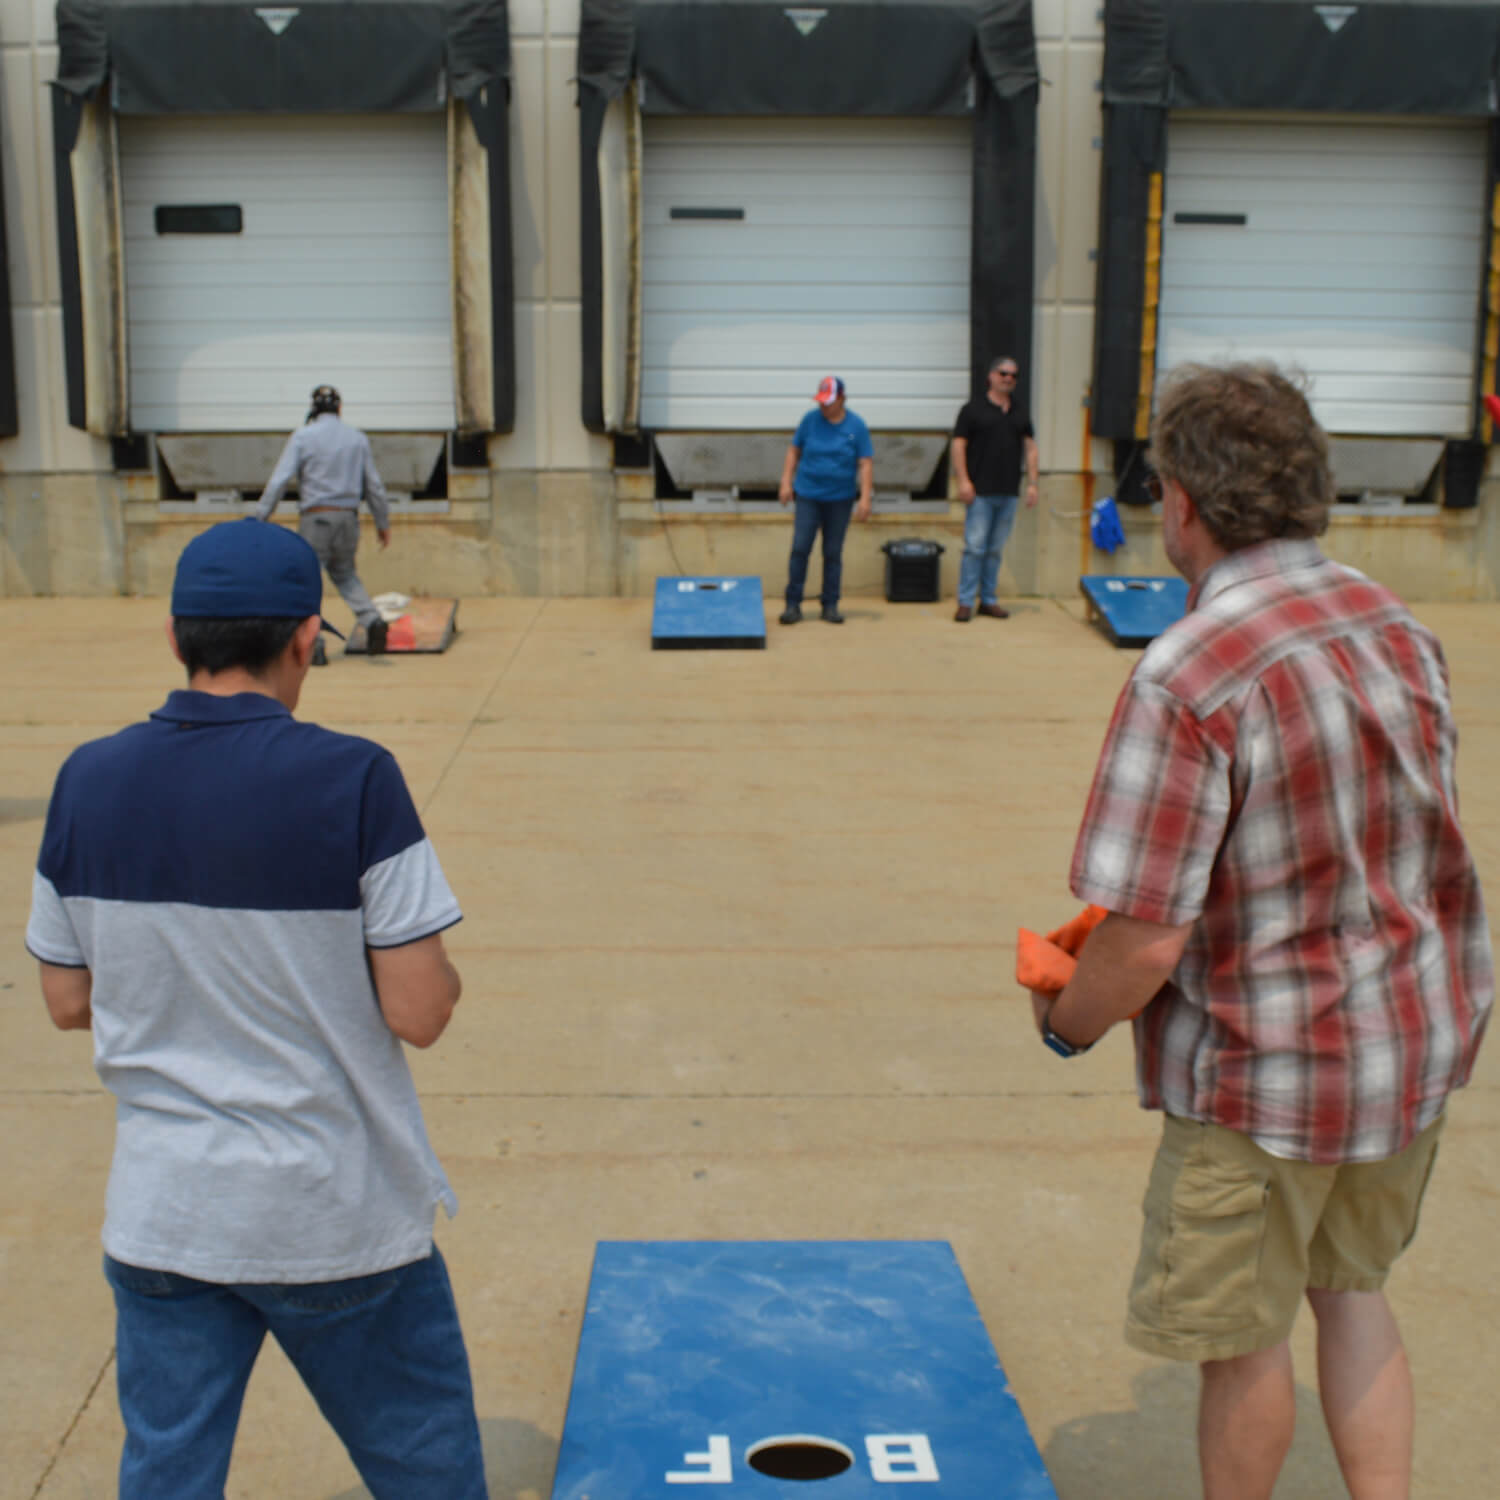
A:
(830, 388)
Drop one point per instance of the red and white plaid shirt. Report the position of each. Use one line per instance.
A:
(1279, 771)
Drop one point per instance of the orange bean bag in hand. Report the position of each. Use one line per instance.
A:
(1047, 963)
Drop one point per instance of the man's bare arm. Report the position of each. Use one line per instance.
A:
(866, 472)
(960, 455)
(417, 988)
(68, 993)
(785, 492)
(1123, 964)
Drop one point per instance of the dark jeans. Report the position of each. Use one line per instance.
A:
(382, 1355)
(832, 518)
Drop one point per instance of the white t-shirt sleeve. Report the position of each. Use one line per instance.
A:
(407, 898)
(50, 935)
(403, 893)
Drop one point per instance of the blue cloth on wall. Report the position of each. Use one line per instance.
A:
(1104, 526)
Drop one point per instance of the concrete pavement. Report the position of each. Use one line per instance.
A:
(737, 961)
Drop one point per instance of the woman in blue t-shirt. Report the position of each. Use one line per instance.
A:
(830, 473)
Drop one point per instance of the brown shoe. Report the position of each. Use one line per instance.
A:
(963, 614)
(995, 611)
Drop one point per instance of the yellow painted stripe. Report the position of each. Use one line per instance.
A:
(1150, 301)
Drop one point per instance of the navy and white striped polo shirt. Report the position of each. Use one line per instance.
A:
(220, 870)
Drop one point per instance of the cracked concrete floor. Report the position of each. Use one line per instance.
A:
(737, 952)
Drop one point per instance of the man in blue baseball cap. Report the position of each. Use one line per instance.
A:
(246, 911)
(238, 572)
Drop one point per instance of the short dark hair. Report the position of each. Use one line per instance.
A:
(1241, 439)
(324, 399)
(211, 645)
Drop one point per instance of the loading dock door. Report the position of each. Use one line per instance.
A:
(775, 251)
(1352, 251)
(295, 249)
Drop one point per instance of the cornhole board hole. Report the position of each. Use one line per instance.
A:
(1134, 611)
(716, 614)
(842, 1366)
(428, 626)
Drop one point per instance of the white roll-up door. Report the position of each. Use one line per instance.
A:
(339, 270)
(1350, 250)
(778, 251)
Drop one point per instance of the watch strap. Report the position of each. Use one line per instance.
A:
(1061, 1045)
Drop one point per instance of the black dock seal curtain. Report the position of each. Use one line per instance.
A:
(1400, 57)
(864, 57)
(167, 57)
(10, 423)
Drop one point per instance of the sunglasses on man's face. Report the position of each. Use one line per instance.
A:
(1154, 487)
(1007, 374)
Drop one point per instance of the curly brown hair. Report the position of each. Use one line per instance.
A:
(1243, 442)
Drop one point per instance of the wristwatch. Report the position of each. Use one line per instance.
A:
(1061, 1045)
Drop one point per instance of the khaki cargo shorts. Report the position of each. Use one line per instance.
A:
(1234, 1237)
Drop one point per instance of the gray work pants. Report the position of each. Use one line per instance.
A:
(334, 536)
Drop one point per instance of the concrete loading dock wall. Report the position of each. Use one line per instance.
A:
(543, 508)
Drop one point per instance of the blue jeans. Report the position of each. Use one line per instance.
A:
(832, 518)
(382, 1355)
(986, 530)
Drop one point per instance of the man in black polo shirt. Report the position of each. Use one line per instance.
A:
(992, 440)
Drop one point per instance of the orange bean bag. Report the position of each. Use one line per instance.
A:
(401, 635)
(1047, 963)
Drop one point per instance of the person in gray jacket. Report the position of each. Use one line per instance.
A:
(330, 461)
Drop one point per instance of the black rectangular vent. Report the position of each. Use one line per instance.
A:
(1210, 218)
(199, 218)
(708, 213)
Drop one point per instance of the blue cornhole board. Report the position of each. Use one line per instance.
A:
(1134, 611)
(708, 613)
(693, 1354)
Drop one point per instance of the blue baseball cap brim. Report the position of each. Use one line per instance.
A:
(249, 570)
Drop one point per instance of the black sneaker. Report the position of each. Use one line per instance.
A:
(791, 614)
(832, 615)
(320, 655)
(375, 638)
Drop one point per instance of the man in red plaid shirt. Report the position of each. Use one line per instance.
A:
(1273, 827)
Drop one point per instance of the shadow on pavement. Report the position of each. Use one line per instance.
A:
(1151, 1453)
(519, 1461)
